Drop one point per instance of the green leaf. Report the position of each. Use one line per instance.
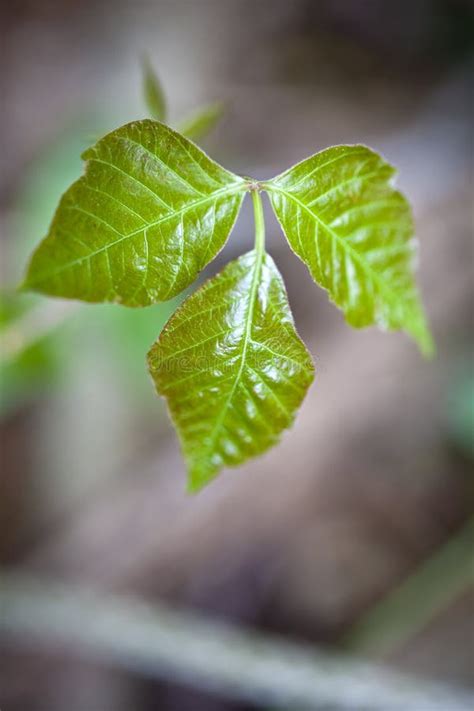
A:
(153, 92)
(343, 218)
(232, 367)
(202, 121)
(29, 362)
(149, 213)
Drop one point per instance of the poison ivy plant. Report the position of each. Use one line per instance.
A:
(152, 209)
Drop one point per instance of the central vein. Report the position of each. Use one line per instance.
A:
(257, 269)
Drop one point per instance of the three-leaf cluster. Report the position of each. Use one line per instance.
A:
(152, 210)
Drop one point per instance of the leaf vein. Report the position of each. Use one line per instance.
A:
(161, 220)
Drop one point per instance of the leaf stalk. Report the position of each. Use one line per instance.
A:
(259, 222)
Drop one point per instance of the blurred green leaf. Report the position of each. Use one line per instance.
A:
(201, 122)
(26, 366)
(153, 92)
(350, 227)
(128, 334)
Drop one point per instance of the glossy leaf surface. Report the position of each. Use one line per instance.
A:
(149, 213)
(343, 218)
(231, 367)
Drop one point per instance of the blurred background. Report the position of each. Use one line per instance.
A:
(354, 532)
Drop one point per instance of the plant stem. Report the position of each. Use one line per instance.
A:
(37, 323)
(443, 577)
(259, 222)
(188, 648)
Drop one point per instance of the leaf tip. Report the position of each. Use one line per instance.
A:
(420, 331)
(197, 481)
(201, 471)
(193, 487)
